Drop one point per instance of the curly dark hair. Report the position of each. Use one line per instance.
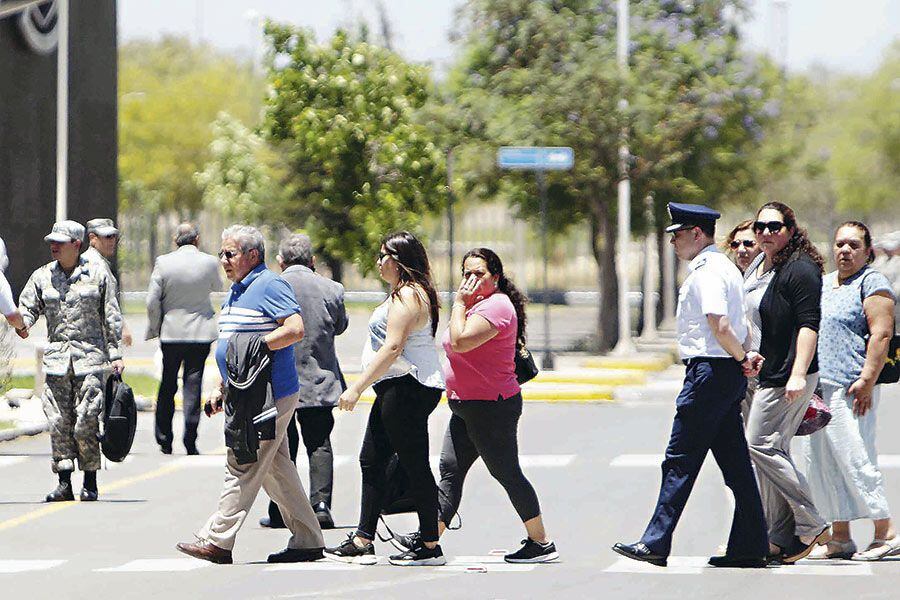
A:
(518, 299)
(799, 241)
(411, 257)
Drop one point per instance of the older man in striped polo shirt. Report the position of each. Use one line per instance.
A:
(262, 302)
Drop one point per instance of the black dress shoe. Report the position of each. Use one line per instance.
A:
(269, 524)
(62, 493)
(293, 555)
(192, 450)
(738, 562)
(798, 549)
(88, 495)
(639, 551)
(165, 448)
(323, 514)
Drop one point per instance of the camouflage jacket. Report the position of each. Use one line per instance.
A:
(84, 324)
(93, 255)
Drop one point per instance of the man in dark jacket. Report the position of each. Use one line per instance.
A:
(321, 381)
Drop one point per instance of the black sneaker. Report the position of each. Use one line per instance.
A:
(533, 552)
(349, 552)
(405, 542)
(419, 556)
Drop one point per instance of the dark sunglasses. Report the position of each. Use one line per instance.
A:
(735, 244)
(227, 254)
(383, 255)
(111, 236)
(772, 226)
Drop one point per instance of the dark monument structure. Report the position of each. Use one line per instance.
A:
(28, 64)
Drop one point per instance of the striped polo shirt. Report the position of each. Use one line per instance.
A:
(254, 305)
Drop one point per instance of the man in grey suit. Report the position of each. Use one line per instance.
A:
(180, 315)
(321, 381)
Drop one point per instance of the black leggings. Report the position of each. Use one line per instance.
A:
(485, 428)
(398, 423)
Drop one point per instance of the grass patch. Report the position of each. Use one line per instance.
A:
(142, 384)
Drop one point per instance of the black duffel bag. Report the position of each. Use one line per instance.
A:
(119, 419)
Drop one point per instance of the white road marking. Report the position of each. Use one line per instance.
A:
(491, 564)
(636, 460)
(157, 565)
(697, 565)
(23, 566)
(885, 461)
(8, 461)
(341, 460)
(319, 565)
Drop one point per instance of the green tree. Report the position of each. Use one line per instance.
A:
(544, 73)
(360, 165)
(169, 92)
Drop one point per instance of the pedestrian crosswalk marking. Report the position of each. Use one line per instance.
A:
(885, 461)
(8, 461)
(698, 565)
(24, 566)
(636, 460)
(490, 564)
(157, 565)
(528, 461)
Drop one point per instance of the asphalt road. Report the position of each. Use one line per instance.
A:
(595, 468)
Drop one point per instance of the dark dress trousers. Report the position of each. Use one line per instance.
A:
(321, 381)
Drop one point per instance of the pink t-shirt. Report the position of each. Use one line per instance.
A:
(488, 371)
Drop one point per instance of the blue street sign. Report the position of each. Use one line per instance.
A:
(536, 158)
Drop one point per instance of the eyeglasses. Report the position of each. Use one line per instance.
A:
(227, 254)
(383, 255)
(735, 244)
(772, 226)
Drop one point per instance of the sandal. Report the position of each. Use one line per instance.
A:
(879, 549)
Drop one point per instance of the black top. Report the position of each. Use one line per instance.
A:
(792, 301)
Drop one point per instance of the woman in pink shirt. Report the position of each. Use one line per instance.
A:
(487, 324)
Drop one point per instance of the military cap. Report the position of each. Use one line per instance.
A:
(685, 216)
(65, 231)
(102, 227)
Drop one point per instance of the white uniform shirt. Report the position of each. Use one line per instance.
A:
(714, 286)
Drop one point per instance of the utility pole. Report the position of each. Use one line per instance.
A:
(62, 110)
(450, 233)
(625, 345)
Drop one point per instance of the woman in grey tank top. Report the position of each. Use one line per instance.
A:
(401, 361)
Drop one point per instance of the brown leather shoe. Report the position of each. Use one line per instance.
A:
(205, 551)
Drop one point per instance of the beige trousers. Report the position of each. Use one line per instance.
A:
(277, 475)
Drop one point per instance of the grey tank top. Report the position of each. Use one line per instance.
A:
(419, 357)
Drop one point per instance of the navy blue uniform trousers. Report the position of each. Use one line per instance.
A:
(708, 417)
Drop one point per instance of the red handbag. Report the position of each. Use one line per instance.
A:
(817, 416)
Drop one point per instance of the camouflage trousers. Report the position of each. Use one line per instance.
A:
(73, 406)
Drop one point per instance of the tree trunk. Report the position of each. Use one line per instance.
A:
(603, 233)
(336, 266)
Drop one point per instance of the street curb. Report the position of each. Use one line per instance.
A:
(7, 435)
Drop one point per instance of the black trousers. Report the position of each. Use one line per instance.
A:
(316, 425)
(486, 429)
(193, 356)
(398, 423)
(708, 419)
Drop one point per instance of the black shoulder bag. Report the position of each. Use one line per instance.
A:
(890, 372)
(526, 369)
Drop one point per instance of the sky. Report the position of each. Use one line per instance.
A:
(844, 35)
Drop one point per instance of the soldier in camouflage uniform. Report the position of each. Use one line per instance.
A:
(84, 324)
(103, 238)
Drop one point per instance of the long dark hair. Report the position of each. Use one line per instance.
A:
(799, 240)
(414, 269)
(518, 299)
(867, 237)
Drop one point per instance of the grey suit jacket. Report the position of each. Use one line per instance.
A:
(178, 307)
(324, 316)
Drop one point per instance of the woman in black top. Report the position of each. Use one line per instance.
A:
(789, 314)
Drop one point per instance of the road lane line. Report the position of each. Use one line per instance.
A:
(110, 487)
(23, 566)
(8, 461)
(157, 565)
(885, 461)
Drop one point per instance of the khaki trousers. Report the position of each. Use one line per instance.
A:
(277, 475)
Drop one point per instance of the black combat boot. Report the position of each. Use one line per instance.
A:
(63, 492)
(89, 490)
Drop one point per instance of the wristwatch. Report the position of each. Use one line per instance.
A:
(745, 359)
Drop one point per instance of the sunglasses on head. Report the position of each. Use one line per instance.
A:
(735, 244)
(383, 255)
(772, 226)
(227, 254)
